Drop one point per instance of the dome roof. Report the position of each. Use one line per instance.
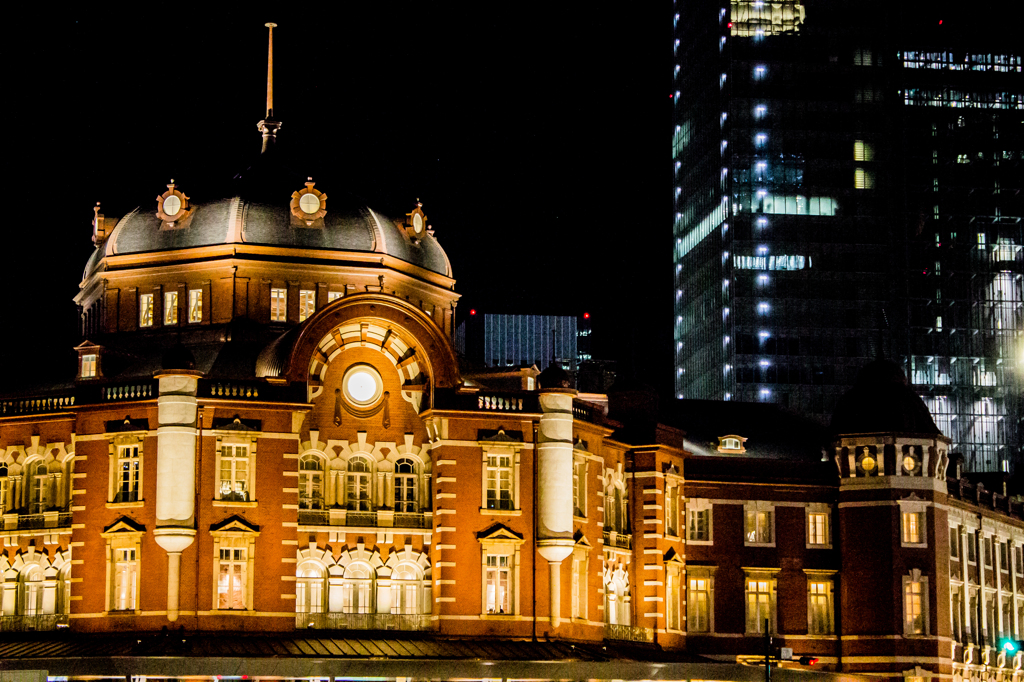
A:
(255, 208)
(882, 402)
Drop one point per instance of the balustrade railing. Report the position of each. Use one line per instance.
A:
(363, 519)
(615, 539)
(43, 521)
(362, 621)
(33, 623)
(140, 391)
(36, 405)
(628, 633)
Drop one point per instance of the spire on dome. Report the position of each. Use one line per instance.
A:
(269, 126)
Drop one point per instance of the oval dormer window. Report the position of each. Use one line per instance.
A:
(172, 205)
(309, 203)
(363, 385)
(417, 223)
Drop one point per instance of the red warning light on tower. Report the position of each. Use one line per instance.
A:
(586, 316)
(472, 311)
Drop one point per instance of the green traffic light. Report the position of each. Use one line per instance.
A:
(1010, 646)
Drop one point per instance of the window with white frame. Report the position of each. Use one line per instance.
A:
(617, 597)
(405, 485)
(170, 307)
(334, 295)
(956, 604)
(358, 588)
(972, 551)
(278, 305)
(195, 306)
(126, 569)
(498, 584)
(699, 606)
(580, 562)
(127, 476)
(698, 520)
(579, 487)
(311, 481)
(760, 598)
(986, 552)
(89, 366)
(913, 531)
(307, 303)
(759, 524)
(145, 310)
(500, 493)
(672, 510)
(673, 596)
(954, 543)
(234, 471)
(616, 516)
(915, 604)
(40, 487)
(406, 580)
(357, 484)
(818, 526)
(310, 596)
(31, 586)
(233, 574)
(819, 604)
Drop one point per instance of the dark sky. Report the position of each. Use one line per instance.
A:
(533, 133)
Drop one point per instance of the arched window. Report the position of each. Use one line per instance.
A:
(405, 485)
(309, 588)
(32, 590)
(311, 482)
(616, 599)
(40, 488)
(357, 484)
(357, 589)
(4, 487)
(405, 589)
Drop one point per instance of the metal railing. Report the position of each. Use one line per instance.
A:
(615, 539)
(362, 621)
(628, 633)
(38, 521)
(363, 519)
(30, 623)
(36, 405)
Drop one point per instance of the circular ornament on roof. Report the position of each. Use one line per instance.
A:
(362, 385)
(416, 223)
(309, 204)
(172, 205)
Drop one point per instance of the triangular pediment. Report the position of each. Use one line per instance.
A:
(581, 539)
(123, 525)
(499, 533)
(673, 557)
(234, 524)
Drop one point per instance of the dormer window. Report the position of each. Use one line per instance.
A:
(89, 366)
(731, 444)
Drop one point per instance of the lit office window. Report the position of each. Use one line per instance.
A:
(278, 305)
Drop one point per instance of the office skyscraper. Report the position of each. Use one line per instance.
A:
(845, 188)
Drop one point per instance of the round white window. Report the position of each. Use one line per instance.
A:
(172, 205)
(309, 203)
(417, 223)
(363, 385)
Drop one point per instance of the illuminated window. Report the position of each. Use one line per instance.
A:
(171, 307)
(759, 526)
(760, 593)
(981, 239)
(817, 529)
(819, 607)
(232, 574)
(334, 295)
(579, 487)
(125, 588)
(580, 561)
(938, 323)
(233, 465)
(311, 482)
(129, 466)
(863, 179)
(88, 366)
(672, 597)
(357, 484)
(698, 521)
(699, 607)
(307, 303)
(278, 305)
(4, 487)
(862, 57)
(406, 582)
(913, 528)
(405, 485)
(498, 584)
(863, 151)
(309, 588)
(672, 510)
(499, 481)
(145, 310)
(195, 306)
(915, 602)
(935, 184)
(618, 600)
(357, 589)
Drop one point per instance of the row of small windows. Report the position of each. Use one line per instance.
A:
(40, 486)
(278, 306)
(758, 523)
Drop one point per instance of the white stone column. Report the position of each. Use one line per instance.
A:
(176, 473)
(554, 487)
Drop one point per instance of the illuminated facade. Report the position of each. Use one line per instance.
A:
(822, 193)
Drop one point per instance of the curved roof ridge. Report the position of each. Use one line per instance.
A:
(110, 248)
(383, 246)
(237, 221)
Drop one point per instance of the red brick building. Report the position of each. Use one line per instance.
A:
(269, 434)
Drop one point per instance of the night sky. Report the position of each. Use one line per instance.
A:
(535, 138)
